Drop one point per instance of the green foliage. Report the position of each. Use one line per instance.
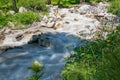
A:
(5, 4)
(27, 17)
(66, 2)
(97, 60)
(24, 18)
(5, 19)
(110, 68)
(37, 69)
(33, 4)
(114, 7)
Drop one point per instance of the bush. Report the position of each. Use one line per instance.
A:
(19, 18)
(97, 60)
(114, 7)
(33, 4)
(5, 4)
(5, 18)
(27, 17)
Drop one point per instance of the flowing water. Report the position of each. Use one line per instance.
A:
(53, 46)
(14, 62)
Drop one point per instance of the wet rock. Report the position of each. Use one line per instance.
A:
(44, 41)
(22, 9)
(34, 39)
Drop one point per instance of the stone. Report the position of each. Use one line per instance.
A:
(19, 37)
(63, 15)
(67, 22)
(75, 19)
(58, 25)
(43, 24)
(11, 12)
(11, 24)
(45, 19)
(83, 9)
(101, 28)
(50, 24)
(7, 31)
(59, 19)
(22, 9)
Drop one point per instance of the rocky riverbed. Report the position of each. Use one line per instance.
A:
(52, 39)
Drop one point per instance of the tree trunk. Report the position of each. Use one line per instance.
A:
(15, 5)
(58, 2)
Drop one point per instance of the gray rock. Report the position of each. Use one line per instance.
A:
(45, 19)
(11, 24)
(22, 9)
(50, 24)
(11, 12)
(42, 23)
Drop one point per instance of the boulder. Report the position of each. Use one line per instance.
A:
(43, 24)
(22, 9)
(58, 25)
(45, 19)
(63, 15)
(50, 24)
(11, 12)
(11, 24)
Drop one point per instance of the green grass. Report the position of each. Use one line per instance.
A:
(114, 7)
(97, 60)
(24, 18)
(27, 17)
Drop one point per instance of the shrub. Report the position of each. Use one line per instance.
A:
(33, 4)
(97, 60)
(27, 17)
(5, 4)
(4, 19)
(114, 7)
(19, 18)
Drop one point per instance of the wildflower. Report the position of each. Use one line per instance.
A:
(108, 41)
